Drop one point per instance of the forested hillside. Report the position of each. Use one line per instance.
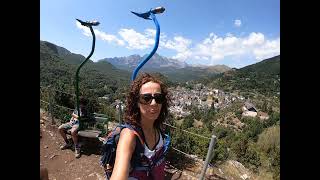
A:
(262, 77)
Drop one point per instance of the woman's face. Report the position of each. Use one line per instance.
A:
(149, 111)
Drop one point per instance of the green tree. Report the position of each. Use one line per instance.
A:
(269, 139)
(238, 113)
(251, 158)
(181, 141)
(210, 114)
(273, 119)
(275, 162)
(221, 152)
(239, 146)
(187, 122)
(269, 144)
(264, 107)
(253, 128)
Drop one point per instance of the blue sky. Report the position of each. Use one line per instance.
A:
(200, 32)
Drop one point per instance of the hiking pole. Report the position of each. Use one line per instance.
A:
(147, 15)
(88, 24)
(208, 158)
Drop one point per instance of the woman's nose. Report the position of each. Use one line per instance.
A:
(153, 102)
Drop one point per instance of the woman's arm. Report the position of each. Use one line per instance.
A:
(125, 148)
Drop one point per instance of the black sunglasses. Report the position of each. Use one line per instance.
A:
(147, 98)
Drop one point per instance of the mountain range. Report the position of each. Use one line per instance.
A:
(155, 62)
(175, 70)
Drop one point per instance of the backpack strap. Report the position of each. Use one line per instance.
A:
(136, 131)
(140, 138)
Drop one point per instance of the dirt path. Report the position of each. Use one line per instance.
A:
(63, 164)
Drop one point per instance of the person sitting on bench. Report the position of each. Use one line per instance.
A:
(73, 124)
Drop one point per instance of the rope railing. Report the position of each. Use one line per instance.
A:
(186, 154)
(187, 131)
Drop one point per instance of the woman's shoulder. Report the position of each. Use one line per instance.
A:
(127, 133)
(127, 139)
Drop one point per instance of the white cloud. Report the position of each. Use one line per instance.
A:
(254, 39)
(178, 43)
(210, 50)
(150, 32)
(132, 39)
(137, 40)
(181, 45)
(182, 56)
(102, 35)
(217, 48)
(109, 38)
(267, 50)
(208, 40)
(237, 22)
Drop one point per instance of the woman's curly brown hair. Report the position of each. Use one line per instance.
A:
(132, 114)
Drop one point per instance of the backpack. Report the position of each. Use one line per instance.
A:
(109, 148)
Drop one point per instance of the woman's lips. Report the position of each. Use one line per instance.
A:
(153, 111)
